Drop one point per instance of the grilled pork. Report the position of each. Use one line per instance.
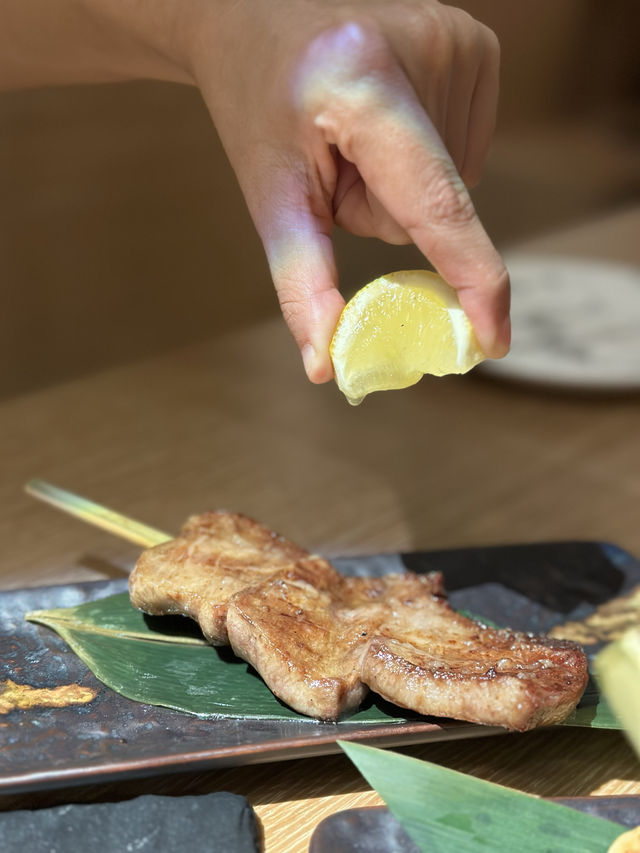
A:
(321, 640)
(216, 555)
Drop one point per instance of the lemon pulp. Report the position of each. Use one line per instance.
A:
(396, 329)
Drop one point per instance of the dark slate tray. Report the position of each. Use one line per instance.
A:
(375, 829)
(526, 587)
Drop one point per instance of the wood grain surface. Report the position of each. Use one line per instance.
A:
(451, 462)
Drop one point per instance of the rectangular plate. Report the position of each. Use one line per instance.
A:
(528, 587)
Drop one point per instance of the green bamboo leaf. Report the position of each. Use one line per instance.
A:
(444, 810)
(165, 661)
(116, 642)
(594, 714)
(114, 615)
(593, 711)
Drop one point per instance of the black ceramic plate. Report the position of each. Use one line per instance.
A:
(526, 587)
(375, 830)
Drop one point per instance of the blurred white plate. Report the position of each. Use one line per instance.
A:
(576, 323)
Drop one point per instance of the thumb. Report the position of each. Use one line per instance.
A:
(302, 263)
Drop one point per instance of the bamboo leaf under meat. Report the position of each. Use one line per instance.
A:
(165, 661)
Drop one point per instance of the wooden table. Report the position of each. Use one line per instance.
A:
(451, 462)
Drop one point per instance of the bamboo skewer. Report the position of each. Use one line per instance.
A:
(96, 514)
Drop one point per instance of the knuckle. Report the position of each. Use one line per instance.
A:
(429, 26)
(338, 59)
(358, 45)
(461, 20)
(447, 201)
(434, 34)
(491, 42)
(347, 76)
(292, 307)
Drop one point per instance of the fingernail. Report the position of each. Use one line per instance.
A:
(309, 359)
(504, 336)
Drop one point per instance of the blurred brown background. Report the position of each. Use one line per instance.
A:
(123, 232)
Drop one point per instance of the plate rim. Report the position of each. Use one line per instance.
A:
(500, 369)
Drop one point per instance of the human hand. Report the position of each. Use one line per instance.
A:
(375, 116)
(369, 114)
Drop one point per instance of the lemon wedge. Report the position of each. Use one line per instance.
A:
(396, 329)
(628, 842)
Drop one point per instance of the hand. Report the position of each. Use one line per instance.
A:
(375, 116)
(372, 114)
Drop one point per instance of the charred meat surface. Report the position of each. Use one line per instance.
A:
(321, 640)
(216, 555)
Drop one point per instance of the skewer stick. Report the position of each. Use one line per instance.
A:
(99, 516)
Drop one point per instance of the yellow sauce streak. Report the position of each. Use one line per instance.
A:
(607, 623)
(23, 696)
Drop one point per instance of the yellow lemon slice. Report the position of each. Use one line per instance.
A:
(396, 329)
(628, 842)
